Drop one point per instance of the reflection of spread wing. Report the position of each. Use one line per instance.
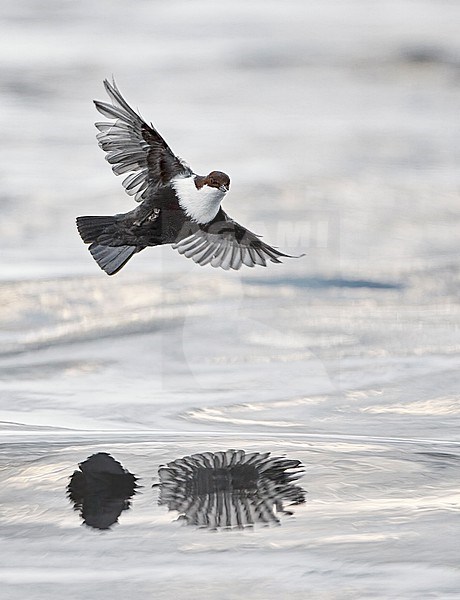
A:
(226, 244)
(229, 489)
(134, 147)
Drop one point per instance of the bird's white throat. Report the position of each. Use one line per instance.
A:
(200, 205)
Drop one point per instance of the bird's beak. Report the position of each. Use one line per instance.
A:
(223, 188)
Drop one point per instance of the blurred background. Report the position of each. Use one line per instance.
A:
(338, 125)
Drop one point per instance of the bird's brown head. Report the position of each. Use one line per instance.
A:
(215, 179)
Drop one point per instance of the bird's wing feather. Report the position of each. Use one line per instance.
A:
(135, 148)
(226, 244)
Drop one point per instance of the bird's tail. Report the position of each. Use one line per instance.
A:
(99, 233)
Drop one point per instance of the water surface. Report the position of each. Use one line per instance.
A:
(339, 128)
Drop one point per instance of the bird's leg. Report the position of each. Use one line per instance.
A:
(150, 216)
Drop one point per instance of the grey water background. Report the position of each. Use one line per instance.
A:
(338, 125)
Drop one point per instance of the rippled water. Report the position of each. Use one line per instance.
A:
(339, 128)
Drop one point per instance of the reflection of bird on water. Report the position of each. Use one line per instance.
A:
(101, 490)
(230, 489)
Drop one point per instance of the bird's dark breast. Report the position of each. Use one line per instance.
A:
(158, 220)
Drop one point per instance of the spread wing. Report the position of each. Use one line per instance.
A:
(134, 147)
(226, 244)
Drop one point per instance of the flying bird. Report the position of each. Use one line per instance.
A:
(176, 206)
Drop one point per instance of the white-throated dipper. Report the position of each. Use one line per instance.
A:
(176, 206)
